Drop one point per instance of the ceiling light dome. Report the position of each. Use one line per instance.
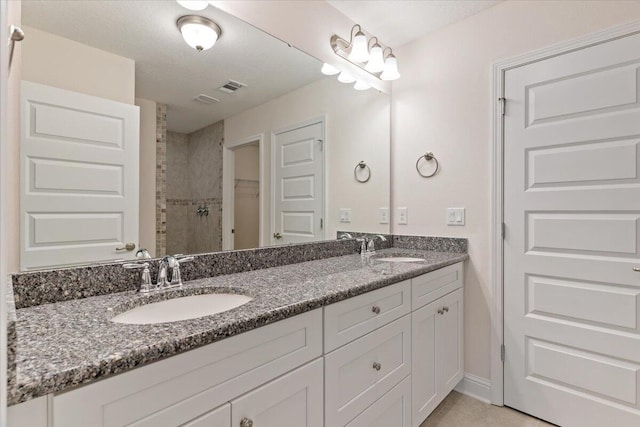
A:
(199, 32)
(193, 4)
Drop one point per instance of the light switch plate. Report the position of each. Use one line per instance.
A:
(403, 216)
(455, 216)
(345, 215)
(384, 215)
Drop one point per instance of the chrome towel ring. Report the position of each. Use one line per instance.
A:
(362, 168)
(428, 156)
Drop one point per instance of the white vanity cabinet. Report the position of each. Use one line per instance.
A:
(385, 358)
(177, 390)
(437, 338)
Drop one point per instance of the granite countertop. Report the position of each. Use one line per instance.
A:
(68, 343)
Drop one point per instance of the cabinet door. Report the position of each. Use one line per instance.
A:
(424, 390)
(449, 342)
(391, 410)
(361, 372)
(294, 400)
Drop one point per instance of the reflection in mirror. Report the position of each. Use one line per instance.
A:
(133, 139)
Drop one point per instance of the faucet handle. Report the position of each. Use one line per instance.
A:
(145, 285)
(182, 258)
(371, 246)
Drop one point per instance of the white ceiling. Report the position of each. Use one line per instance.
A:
(167, 69)
(397, 22)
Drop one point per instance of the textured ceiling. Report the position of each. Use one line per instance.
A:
(397, 22)
(167, 69)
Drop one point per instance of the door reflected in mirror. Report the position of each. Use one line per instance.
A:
(133, 139)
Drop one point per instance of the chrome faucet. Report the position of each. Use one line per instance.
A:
(344, 236)
(170, 263)
(368, 243)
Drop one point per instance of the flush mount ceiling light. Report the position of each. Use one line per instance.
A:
(193, 4)
(373, 61)
(199, 32)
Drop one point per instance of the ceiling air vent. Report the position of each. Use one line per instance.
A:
(231, 86)
(206, 99)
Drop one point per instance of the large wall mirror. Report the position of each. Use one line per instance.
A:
(133, 139)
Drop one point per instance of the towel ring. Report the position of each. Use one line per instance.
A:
(428, 156)
(362, 165)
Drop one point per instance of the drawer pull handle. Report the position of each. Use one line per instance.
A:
(246, 422)
(377, 366)
(375, 309)
(441, 311)
(445, 309)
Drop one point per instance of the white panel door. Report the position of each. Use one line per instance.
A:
(294, 400)
(298, 201)
(572, 214)
(79, 177)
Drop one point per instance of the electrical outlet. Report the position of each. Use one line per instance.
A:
(345, 215)
(403, 216)
(455, 216)
(384, 215)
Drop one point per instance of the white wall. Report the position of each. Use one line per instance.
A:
(443, 103)
(147, 223)
(66, 64)
(357, 129)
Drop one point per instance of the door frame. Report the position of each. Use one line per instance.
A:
(497, 180)
(4, 282)
(325, 148)
(228, 193)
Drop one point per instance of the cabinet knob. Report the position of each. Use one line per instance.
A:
(246, 422)
(277, 236)
(445, 309)
(441, 311)
(375, 309)
(377, 366)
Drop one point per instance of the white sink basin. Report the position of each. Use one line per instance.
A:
(399, 259)
(183, 308)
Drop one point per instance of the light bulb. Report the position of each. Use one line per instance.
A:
(361, 85)
(376, 61)
(329, 70)
(359, 51)
(193, 4)
(345, 77)
(390, 71)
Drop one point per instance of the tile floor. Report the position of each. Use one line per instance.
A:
(458, 410)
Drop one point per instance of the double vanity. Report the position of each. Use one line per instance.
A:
(347, 340)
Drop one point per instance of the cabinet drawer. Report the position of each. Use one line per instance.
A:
(294, 400)
(220, 417)
(361, 372)
(391, 410)
(176, 390)
(350, 319)
(431, 286)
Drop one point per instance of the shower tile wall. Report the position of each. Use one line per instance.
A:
(194, 178)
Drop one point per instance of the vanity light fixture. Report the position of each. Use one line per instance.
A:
(199, 32)
(193, 4)
(345, 77)
(361, 85)
(356, 51)
(329, 70)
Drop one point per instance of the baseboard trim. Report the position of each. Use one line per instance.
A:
(476, 387)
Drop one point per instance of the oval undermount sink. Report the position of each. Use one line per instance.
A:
(183, 308)
(399, 259)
